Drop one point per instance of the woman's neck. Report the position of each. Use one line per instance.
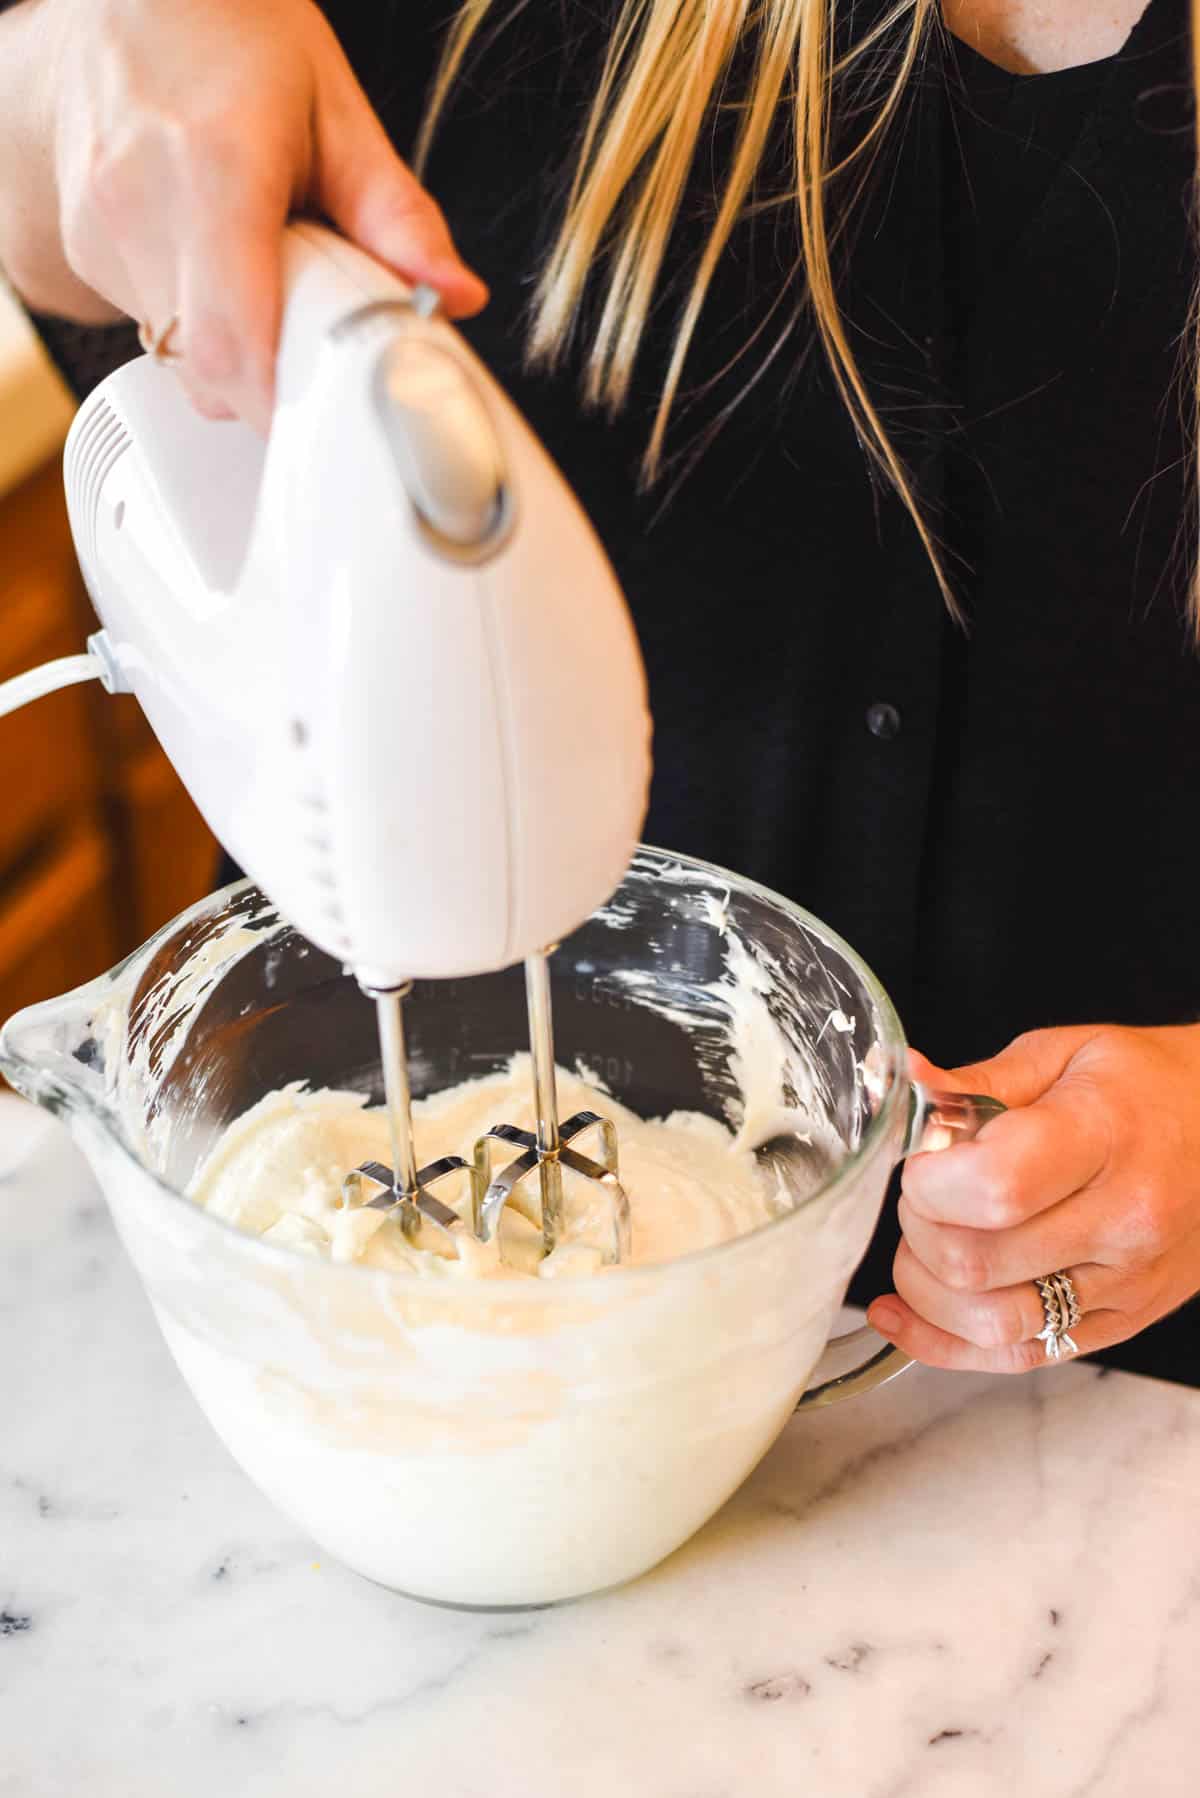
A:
(1035, 37)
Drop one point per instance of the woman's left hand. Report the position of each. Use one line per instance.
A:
(1094, 1169)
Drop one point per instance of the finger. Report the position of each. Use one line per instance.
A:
(1002, 1318)
(199, 231)
(366, 190)
(102, 221)
(1021, 1073)
(925, 1342)
(230, 287)
(1075, 1231)
(1020, 1164)
(148, 297)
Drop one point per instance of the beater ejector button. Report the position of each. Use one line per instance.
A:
(445, 446)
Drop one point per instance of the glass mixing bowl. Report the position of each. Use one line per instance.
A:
(502, 1442)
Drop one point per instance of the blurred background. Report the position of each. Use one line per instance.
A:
(99, 843)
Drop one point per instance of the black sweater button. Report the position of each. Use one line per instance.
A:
(883, 721)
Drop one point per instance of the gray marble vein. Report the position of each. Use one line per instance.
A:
(957, 1588)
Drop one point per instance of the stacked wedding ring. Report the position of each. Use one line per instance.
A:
(1060, 1308)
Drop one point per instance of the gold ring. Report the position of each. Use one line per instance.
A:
(158, 343)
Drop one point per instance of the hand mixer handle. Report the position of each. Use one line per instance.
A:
(385, 651)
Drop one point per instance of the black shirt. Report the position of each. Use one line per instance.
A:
(1002, 822)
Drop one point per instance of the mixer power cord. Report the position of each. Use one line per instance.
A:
(98, 664)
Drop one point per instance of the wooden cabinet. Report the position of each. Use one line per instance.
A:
(56, 925)
(99, 842)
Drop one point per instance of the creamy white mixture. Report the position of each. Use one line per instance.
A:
(277, 1173)
(493, 1442)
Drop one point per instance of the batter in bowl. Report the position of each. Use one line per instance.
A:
(277, 1172)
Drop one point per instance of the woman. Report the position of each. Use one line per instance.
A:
(934, 375)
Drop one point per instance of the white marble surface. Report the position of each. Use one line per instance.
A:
(953, 1588)
(35, 408)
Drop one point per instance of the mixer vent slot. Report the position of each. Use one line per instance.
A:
(320, 868)
(101, 441)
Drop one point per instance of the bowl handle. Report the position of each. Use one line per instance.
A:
(936, 1121)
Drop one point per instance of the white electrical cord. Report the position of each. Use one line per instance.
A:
(66, 672)
(98, 664)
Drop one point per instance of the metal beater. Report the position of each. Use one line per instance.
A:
(405, 1189)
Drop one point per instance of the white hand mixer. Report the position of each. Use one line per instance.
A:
(387, 655)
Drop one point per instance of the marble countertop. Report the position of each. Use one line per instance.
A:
(35, 408)
(955, 1587)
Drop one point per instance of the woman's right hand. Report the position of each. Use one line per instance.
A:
(176, 137)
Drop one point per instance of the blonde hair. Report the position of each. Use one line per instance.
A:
(660, 84)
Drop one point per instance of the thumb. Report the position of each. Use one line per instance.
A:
(364, 188)
(1019, 1075)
